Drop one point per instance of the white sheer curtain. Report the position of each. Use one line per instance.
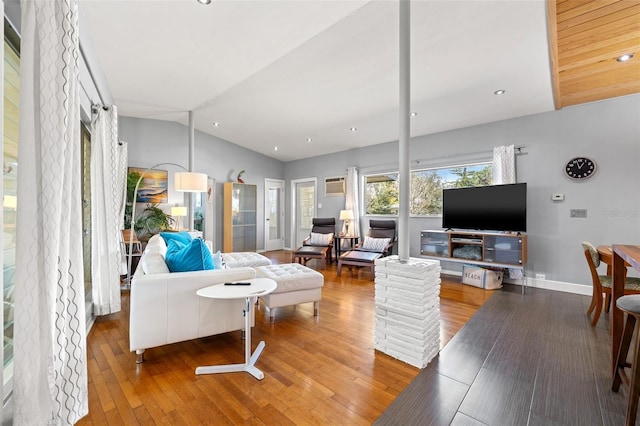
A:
(504, 165)
(50, 366)
(108, 193)
(351, 201)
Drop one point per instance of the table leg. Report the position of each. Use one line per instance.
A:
(617, 291)
(249, 359)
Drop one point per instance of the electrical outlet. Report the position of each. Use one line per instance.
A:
(540, 276)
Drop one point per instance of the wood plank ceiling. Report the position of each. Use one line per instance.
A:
(586, 38)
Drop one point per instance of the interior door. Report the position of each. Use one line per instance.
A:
(274, 214)
(304, 209)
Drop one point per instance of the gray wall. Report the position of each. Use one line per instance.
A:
(607, 131)
(154, 141)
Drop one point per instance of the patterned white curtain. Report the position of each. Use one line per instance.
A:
(504, 165)
(50, 366)
(351, 201)
(108, 196)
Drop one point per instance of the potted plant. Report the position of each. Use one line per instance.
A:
(151, 221)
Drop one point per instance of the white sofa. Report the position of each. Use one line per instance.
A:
(164, 307)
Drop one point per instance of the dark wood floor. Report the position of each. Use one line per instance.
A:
(317, 370)
(521, 360)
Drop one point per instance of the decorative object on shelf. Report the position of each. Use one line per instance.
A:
(178, 212)
(580, 168)
(240, 176)
(153, 188)
(347, 216)
(184, 182)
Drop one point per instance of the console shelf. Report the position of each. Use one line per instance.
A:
(497, 249)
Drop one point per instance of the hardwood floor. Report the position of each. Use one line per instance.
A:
(317, 370)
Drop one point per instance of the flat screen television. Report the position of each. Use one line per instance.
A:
(492, 208)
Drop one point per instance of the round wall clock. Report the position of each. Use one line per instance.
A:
(580, 168)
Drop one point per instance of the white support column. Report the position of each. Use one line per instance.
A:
(404, 105)
(192, 138)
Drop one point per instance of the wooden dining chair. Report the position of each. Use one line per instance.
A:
(602, 283)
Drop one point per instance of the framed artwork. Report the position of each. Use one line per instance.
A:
(153, 187)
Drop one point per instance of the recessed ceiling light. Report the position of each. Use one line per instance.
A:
(353, 129)
(413, 114)
(625, 57)
(204, 1)
(499, 92)
(216, 124)
(309, 139)
(275, 148)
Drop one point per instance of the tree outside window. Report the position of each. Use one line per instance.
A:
(381, 191)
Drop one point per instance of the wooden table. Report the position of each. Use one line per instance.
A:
(606, 257)
(622, 255)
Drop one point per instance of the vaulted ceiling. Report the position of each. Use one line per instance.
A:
(278, 73)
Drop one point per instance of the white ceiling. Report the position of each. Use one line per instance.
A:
(274, 73)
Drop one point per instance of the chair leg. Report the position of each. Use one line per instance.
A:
(634, 387)
(594, 298)
(315, 308)
(596, 315)
(339, 267)
(621, 363)
(607, 302)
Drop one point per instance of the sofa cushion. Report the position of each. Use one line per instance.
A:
(194, 256)
(217, 260)
(182, 237)
(156, 244)
(153, 263)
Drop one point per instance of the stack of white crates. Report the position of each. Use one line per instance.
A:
(408, 309)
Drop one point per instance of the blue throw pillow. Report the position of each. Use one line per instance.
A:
(194, 256)
(183, 237)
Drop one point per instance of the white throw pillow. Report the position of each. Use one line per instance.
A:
(153, 263)
(156, 245)
(375, 244)
(320, 239)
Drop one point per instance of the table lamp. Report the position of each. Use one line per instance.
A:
(178, 212)
(346, 215)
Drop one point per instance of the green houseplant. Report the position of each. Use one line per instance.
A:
(151, 221)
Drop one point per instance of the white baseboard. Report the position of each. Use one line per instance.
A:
(565, 287)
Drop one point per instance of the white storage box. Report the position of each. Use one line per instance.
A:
(481, 277)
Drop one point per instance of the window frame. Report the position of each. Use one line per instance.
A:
(441, 166)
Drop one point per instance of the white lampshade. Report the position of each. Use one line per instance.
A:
(346, 214)
(178, 211)
(190, 182)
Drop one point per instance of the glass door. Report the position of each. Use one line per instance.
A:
(304, 208)
(274, 214)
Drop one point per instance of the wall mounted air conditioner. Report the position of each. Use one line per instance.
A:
(334, 186)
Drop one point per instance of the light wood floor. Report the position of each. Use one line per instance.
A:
(320, 370)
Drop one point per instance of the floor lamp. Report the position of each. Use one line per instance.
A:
(184, 182)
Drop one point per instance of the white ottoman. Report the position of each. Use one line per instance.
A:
(296, 284)
(244, 258)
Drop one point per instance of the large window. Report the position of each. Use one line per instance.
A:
(381, 191)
